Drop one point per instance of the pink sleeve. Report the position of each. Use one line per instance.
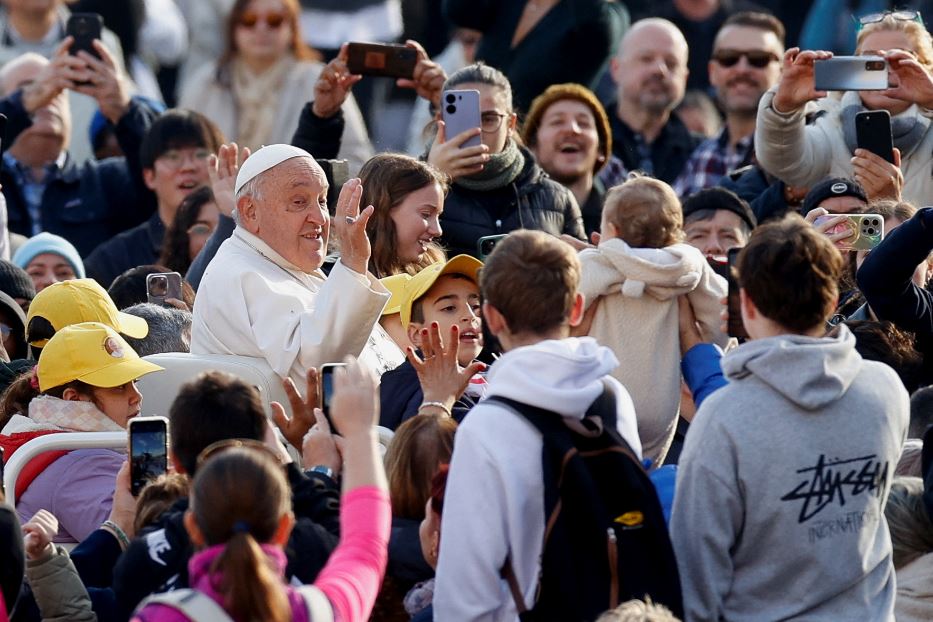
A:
(353, 574)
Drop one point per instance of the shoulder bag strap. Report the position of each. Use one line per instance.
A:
(194, 605)
(319, 607)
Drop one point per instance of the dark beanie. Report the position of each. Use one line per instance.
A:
(14, 282)
(716, 198)
(829, 188)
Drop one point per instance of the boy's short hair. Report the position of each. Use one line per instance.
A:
(532, 279)
(791, 272)
(178, 129)
(646, 212)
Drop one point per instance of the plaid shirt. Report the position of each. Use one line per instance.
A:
(711, 161)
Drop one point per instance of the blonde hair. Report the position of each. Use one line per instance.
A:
(910, 527)
(645, 211)
(639, 611)
(916, 31)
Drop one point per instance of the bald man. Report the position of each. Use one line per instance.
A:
(650, 72)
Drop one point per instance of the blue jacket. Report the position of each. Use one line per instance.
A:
(139, 246)
(87, 203)
(400, 396)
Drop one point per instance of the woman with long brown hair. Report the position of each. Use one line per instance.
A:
(256, 90)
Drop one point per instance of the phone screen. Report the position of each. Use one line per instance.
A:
(736, 325)
(327, 391)
(148, 450)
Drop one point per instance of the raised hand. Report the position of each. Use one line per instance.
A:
(38, 534)
(452, 158)
(295, 427)
(222, 169)
(105, 84)
(354, 409)
(832, 226)
(350, 227)
(428, 79)
(62, 72)
(333, 85)
(442, 378)
(879, 178)
(914, 82)
(796, 87)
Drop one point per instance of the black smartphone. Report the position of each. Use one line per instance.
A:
(327, 391)
(148, 450)
(486, 244)
(2, 471)
(161, 286)
(873, 133)
(84, 27)
(380, 59)
(736, 326)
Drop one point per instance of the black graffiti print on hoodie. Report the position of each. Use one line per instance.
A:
(835, 481)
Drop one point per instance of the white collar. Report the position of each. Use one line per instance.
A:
(257, 244)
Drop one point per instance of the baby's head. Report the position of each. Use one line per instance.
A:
(644, 212)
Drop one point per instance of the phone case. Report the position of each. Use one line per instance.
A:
(851, 73)
(486, 244)
(873, 133)
(867, 229)
(460, 111)
(84, 27)
(377, 59)
(157, 290)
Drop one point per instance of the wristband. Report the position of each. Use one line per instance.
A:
(440, 405)
(113, 528)
(323, 469)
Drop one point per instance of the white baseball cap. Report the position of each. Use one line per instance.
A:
(264, 159)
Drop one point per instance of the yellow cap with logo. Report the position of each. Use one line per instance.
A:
(396, 286)
(81, 300)
(418, 285)
(92, 353)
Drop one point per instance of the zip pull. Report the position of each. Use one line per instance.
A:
(613, 549)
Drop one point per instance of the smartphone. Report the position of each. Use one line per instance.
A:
(327, 391)
(2, 471)
(873, 133)
(851, 73)
(163, 285)
(486, 244)
(148, 450)
(84, 27)
(736, 327)
(866, 231)
(380, 59)
(461, 112)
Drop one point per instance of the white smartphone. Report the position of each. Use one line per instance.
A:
(461, 112)
(851, 73)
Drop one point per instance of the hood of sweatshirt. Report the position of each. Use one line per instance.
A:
(810, 372)
(661, 273)
(559, 375)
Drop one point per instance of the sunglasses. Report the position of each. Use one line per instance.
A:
(900, 16)
(249, 19)
(235, 443)
(756, 58)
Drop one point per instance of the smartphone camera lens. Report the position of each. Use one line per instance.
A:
(870, 231)
(874, 65)
(451, 98)
(451, 109)
(158, 286)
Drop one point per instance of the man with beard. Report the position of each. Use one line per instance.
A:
(746, 62)
(568, 132)
(651, 74)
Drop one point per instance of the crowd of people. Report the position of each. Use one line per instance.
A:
(623, 351)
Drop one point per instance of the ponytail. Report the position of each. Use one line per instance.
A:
(250, 585)
(16, 397)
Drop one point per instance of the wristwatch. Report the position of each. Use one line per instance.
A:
(323, 469)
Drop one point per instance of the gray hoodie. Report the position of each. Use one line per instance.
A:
(778, 512)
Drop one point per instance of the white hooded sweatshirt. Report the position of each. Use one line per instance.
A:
(494, 504)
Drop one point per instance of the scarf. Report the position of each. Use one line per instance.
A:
(908, 127)
(501, 170)
(74, 416)
(256, 115)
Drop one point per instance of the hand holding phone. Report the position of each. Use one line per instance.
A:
(160, 286)
(855, 232)
(851, 73)
(379, 59)
(148, 450)
(327, 391)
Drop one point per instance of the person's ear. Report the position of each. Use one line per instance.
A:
(414, 334)
(149, 178)
(284, 530)
(513, 122)
(71, 395)
(611, 231)
(249, 214)
(576, 311)
(749, 310)
(176, 462)
(194, 532)
(493, 320)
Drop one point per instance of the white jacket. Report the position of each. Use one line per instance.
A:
(203, 93)
(494, 505)
(253, 302)
(637, 317)
(802, 155)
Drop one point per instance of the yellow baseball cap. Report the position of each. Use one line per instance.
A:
(81, 300)
(396, 286)
(418, 285)
(92, 353)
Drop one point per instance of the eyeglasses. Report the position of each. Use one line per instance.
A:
(756, 58)
(174, 158)
(490, 121)
(235, 443)
(901, 16)
(200, 229)
(249, 19)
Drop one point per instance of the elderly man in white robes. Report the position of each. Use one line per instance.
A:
(263, 294)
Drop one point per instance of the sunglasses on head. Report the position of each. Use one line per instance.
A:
(249, 19)
(900, 16)
(756, 58)
(219, 447)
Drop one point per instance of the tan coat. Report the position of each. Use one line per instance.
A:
(637, 317)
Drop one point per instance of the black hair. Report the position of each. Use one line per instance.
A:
(177, 129)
